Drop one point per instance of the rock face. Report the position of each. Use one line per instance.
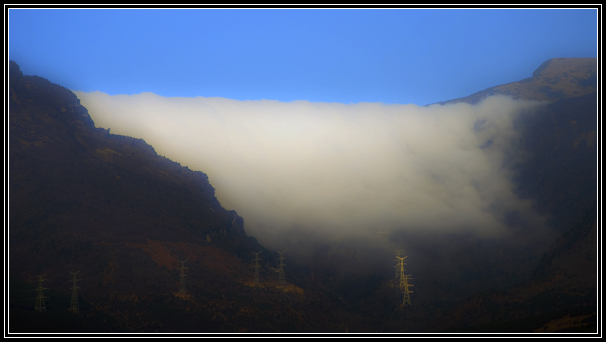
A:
(80, 181)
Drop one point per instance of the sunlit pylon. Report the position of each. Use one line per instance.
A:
(404, 278)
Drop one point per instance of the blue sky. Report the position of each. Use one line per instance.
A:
(401, 56)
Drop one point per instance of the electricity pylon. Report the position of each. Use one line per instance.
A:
(40, 304)
(398, 253)
(281, 277)
(256, 277)
(182, 277)
(404, 278)
(400, 266)
(74, 307)
(407, 292)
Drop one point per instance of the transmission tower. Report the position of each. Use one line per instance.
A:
(398, 253)
(281, 277)
(182, 277)
(40, 304)
(256, 277)
(404, 278)
(407, 292)
(74, 307)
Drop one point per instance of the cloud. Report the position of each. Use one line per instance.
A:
(330, 171)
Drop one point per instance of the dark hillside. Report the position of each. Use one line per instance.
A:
(562, 140)
(82, 199)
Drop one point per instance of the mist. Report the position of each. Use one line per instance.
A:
(304, 174)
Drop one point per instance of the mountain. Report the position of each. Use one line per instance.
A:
(82, 199)
(561, 295)
(555, 79)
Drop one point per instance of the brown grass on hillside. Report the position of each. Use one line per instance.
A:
(159, 253)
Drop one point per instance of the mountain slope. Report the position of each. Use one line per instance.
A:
(553, 80)
(82, 199)
(562, 178)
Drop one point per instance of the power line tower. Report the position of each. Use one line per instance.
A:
(281, 277)
(399, 252)
(74, 307)
(256, 277)
(40, 304)
(404, 278)
(407, 292)
(182, 277)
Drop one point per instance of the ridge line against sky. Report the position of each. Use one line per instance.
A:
(394, 56)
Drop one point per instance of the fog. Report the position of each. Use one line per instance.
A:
(303, 173)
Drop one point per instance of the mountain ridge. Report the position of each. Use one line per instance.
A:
(554, 79)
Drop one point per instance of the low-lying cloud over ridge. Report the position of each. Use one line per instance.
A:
(332, 170)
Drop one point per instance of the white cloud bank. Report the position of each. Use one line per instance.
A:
(333, 170)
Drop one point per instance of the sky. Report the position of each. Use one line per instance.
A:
(313, 124)
(402, 56)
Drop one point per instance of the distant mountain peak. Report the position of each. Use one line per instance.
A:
(554, 79)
